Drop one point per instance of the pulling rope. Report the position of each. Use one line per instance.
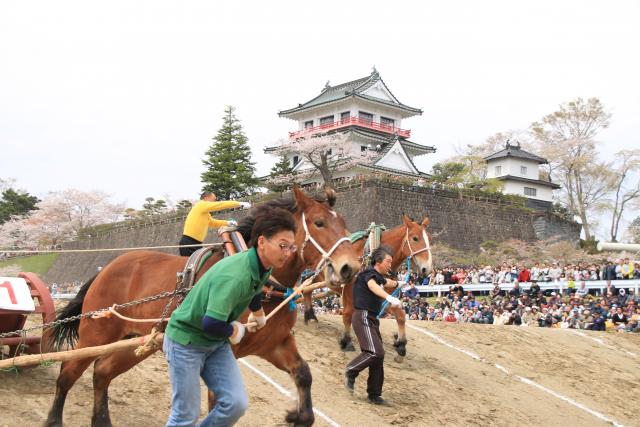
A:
(397, 290)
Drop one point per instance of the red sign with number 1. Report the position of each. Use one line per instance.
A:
(12, 295)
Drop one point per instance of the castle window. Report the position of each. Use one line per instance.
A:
(308, 124)
(327, 120)
(528, 191)
(386, 121)
(345, 116)
(498, 170)
(523, 170)
(296, 159)
(368, 117)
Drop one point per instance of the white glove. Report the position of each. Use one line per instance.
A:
(238, 332)
(245, 205)
(395, 302)
(260, 319)
(232, 223)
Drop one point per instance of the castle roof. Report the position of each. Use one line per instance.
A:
(511, 150)
(386, 141)
(550, 184)
(353, 89)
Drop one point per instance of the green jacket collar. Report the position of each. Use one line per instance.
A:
(255, 269)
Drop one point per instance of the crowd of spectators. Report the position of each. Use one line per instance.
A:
(619, 269)
(615, 309)
(65, 288)
(576, 307)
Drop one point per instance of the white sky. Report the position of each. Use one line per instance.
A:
(125, 96)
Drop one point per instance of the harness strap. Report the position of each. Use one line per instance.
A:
(427, 246)
(326, 255)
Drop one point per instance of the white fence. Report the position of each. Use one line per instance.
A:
(63, 296)
(560, 285)
(599, 285)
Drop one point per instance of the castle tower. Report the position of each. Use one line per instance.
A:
(371, 116)
(519, 170)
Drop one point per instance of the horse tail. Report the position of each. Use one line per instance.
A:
(67, 332)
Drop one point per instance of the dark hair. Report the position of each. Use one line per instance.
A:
(206, 194)
(284, 204)
(378, 255)
(269, 221)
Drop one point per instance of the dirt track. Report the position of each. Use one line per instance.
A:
(436, 385)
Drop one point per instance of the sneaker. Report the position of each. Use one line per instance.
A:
(349, 383)
(376, 400)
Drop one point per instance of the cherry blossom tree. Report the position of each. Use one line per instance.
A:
(59, 217)
(626, 187)
(326, 155)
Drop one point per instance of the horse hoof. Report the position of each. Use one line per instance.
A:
(308, 316)
(401, 349)
(398, 358)
(345, 343)
(300, 419)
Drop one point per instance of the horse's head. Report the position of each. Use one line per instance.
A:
(324, 238)
(417, 245)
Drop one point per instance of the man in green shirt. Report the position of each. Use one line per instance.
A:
(199, 332)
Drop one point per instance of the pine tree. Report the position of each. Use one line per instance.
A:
(230, 171)
(16, 203)
(281, 168)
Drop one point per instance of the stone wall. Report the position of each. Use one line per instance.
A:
(460, 221)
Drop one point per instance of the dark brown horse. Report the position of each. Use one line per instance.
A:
(136, 275)
(408, 240)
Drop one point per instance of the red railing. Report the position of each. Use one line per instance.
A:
(326, 127)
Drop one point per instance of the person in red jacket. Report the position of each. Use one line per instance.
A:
(451, 317)
(525, 275)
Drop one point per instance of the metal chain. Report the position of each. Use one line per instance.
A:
(180, 288)
(93, 312)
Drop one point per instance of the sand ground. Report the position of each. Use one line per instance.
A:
(436, 384)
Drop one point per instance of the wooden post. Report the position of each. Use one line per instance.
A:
(81, 353)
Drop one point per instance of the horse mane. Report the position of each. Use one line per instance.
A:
(245, 225)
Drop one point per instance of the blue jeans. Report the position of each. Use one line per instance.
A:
(218, 368)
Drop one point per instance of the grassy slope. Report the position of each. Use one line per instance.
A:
(38, 264)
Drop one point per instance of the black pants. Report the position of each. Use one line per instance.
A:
(186, 240)
(366, 326)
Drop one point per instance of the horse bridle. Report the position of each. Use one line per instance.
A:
(326, 255)
(427, 246)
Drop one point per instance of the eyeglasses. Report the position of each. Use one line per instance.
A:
(287, 248)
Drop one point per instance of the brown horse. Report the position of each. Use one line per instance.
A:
(139, 274)
(408, 240)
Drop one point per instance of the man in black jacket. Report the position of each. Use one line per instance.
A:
(368, 295)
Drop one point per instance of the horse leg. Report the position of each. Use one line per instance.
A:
(69, 374)
(286, 357)
(104, 371)
(400, 342)
(346, 344)
(308, 309)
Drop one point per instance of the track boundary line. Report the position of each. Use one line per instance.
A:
(286, 392)
(518, 377)
(603, 343)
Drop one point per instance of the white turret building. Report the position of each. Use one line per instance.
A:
(371, 117)
(519, 170)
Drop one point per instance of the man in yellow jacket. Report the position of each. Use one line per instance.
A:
(200, 220)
